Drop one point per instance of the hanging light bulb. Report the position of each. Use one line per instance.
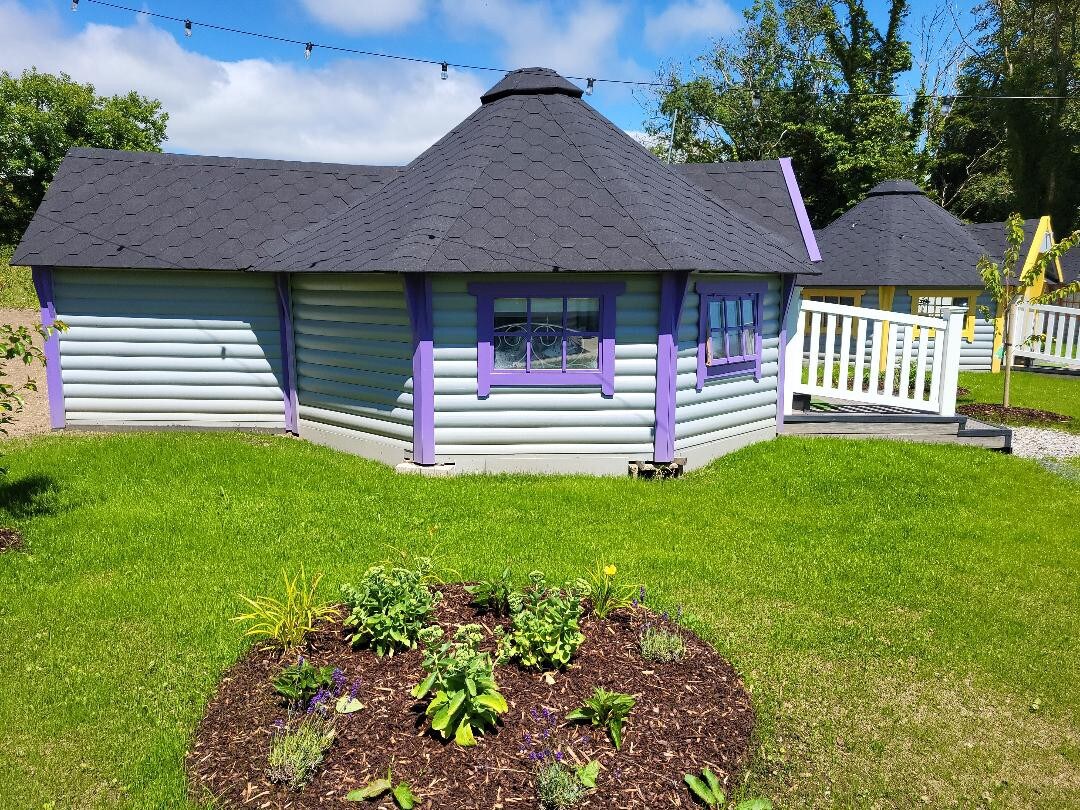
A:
(756, 99)
(946, 105)
(445, 71)
(74, 5)
(307, 50)
(590, 85)
(187, 28)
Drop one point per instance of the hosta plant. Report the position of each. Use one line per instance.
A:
(606, 594)
(545, 631)
(402, 794)
(301, 681)
(287, 621)
(389, 607)
(466, 699)
(607, 710)
(706, 788)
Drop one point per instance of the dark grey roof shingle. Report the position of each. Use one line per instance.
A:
(897, 236)
(537, 179)
(991, 235)
(107, 208)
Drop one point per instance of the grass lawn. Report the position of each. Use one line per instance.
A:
(1047, 391)
(910, 636)
(16, 288)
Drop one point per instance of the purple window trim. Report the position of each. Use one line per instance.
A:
(486, 373)
(672, 293)
(710, 290)
(288, 353)
(54, 380)
(800, 210)
(787, 295)
(418, 298)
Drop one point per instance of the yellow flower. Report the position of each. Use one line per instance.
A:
(609, 571)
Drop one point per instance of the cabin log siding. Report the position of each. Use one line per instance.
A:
(728, 411)
(152, 349)
(354, 362)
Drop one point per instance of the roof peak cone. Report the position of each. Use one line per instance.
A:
(531, 81)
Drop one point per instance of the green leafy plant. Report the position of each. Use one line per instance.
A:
(658, 644)
(297, 747)
(606, 595)
(607, 710)
(545, 630)
(493, 595)
(300, 682)
(587, 773)
(467, 699)
(557, 787)
(389, 607)
(19, 343)
(287, 622)
(402, 794)
(706, 788)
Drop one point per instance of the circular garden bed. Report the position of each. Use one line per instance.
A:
(688, 710)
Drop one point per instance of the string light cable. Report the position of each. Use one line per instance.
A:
(443, 65)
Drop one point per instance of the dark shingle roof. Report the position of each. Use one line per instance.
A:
(757, 189)
(897, 236)
(537, 179)
(991, 235)
(129, 209)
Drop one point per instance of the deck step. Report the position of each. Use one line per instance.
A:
(910, 427)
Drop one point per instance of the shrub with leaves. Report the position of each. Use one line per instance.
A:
(18, 343)
(389, 607)
(467, 699)
(607, 710)
(545, 630)
(287, 622)
(297, 747)
(493, 595)
(301, 681)
(606, 595)
(658, 644)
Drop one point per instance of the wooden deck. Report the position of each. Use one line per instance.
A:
(859, 421)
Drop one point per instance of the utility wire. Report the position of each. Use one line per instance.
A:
(309, 45)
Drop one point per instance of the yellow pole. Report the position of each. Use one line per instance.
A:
(885, 301)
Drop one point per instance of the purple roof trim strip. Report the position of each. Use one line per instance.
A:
(800, 210)
(288, 351)
(787, 294)
(672, 293)
(54, 381)
(418, 297)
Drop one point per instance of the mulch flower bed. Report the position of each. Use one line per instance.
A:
(1013, 415)
(10, 539)
(690, 714)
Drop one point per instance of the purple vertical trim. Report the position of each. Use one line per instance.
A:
(800, 210)
(672, 293)
(710, 291)
(54, 381)
(288, 350)
(787, 291)
(418, 297)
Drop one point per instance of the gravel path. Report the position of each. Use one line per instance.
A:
(35, 416)
(1032, 442)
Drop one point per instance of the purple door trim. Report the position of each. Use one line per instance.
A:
(800, 210)
(672, 293)
(418, 298)
(54, 381)
(787, 291)
(288, 356)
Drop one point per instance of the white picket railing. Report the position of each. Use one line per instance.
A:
(1046, 333)
(835, 352)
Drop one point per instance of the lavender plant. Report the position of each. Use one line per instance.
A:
(298, 745)
(558, 783)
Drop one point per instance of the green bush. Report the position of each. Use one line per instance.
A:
(607, 710)
(493, 595)
(287, 622)
(545, 630)
(389, 607)
(604, 592)
(300, 682)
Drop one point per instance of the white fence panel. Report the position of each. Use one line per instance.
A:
(1046, 333)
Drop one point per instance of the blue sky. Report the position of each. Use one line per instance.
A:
(230, 94)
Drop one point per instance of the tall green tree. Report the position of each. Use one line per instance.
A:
(42, 116)
(811, 79)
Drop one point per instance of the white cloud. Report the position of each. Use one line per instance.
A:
(690, 19)
(578, 41)
(343, 110)
(360, 16)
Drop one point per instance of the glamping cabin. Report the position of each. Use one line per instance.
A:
(897, 250)
(535, 292)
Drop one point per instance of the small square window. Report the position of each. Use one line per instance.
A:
(729, 332)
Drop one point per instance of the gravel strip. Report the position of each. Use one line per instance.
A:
(1032, 442)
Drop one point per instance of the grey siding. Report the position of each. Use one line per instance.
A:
(177, 348)
(354, 357)
(524, 421)
(731, 407)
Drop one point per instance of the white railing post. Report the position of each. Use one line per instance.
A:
(793, 351)
(950, 371)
